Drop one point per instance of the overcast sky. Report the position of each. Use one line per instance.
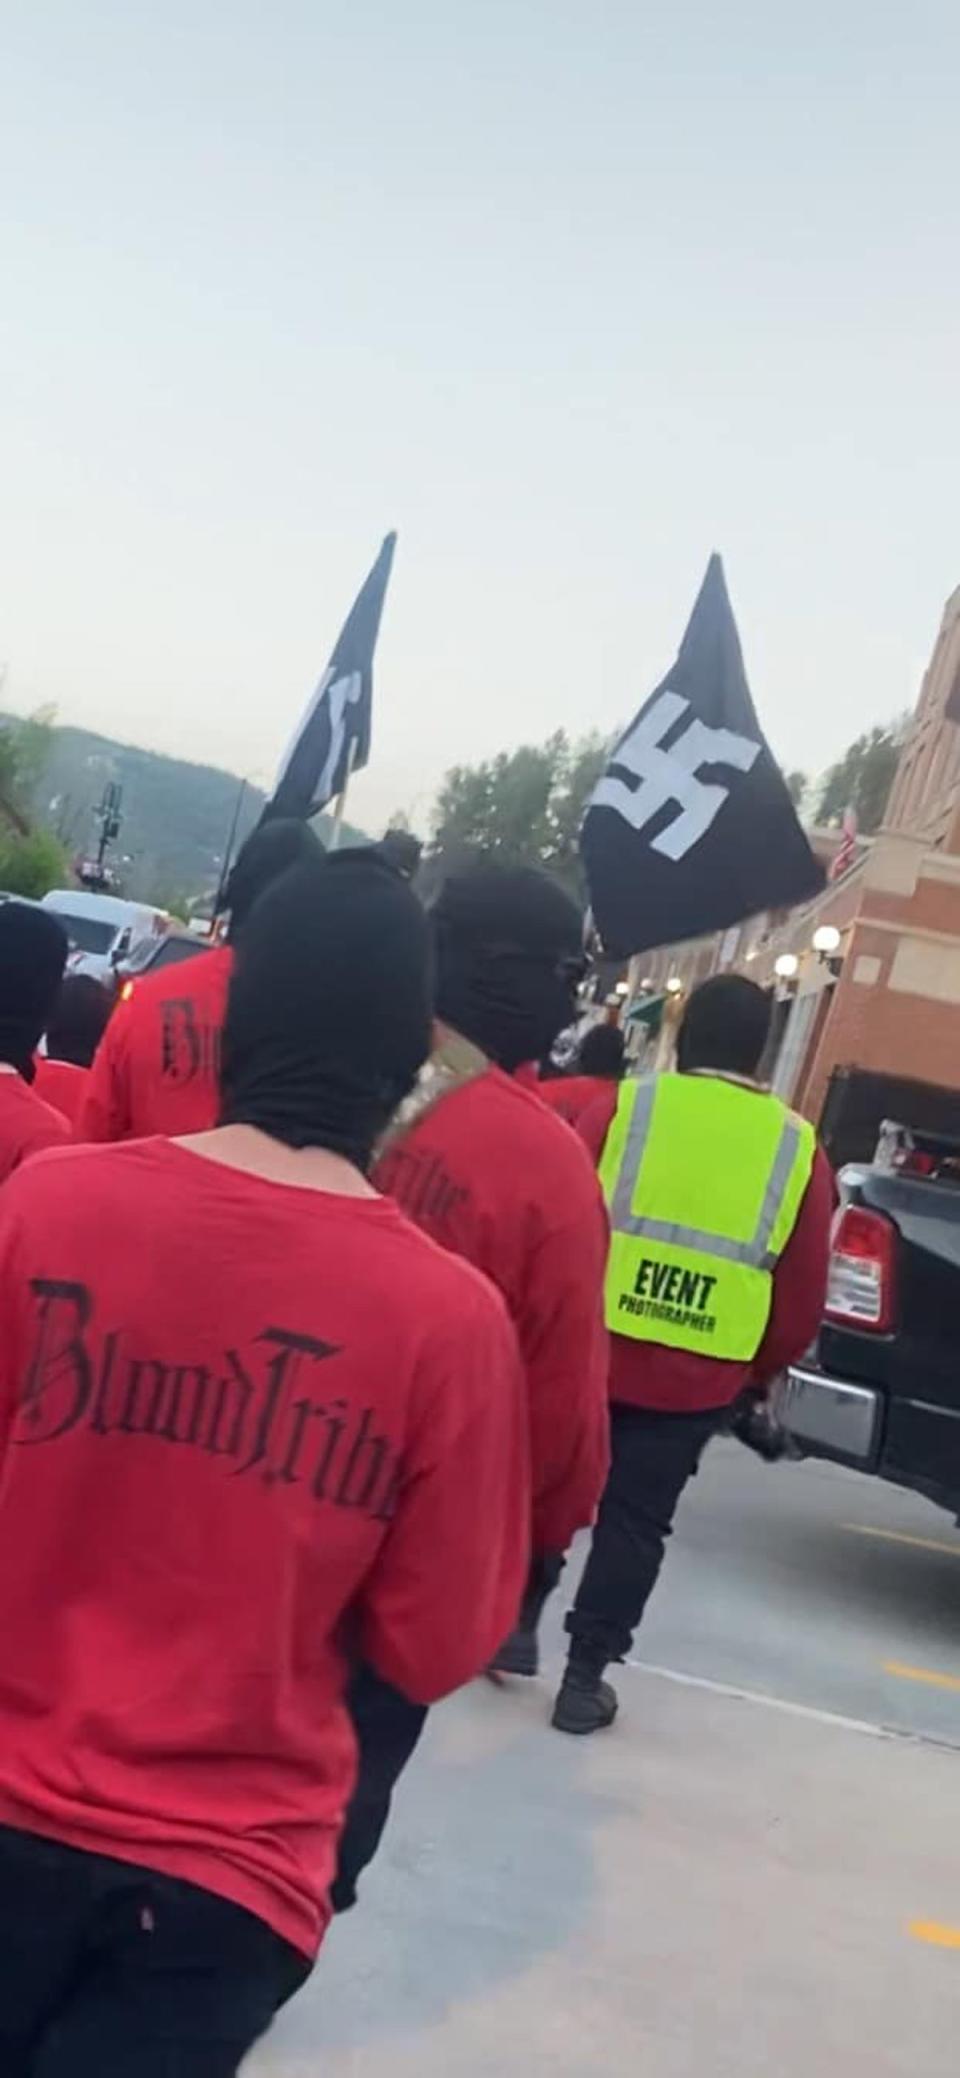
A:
(568, 293)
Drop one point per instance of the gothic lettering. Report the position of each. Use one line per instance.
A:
(239, 1412)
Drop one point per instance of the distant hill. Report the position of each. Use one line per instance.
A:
(176, 816)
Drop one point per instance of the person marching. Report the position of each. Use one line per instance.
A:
(157, 1068)
(251, 1422)
(77, 1024)
(600, 1061)
(481, 1165)
(720, 1207)
(33, 954)
(476, 1160)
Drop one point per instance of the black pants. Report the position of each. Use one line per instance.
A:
(110, 1971)
(389, 1729)
(544, 1575)
(653, 1456)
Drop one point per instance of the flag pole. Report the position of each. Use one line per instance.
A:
(227, 860)
(337, 830)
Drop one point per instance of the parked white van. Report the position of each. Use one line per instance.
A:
(102, 928)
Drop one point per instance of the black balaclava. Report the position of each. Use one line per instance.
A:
(33, 954)
(601, 1053)
(329, 1012)
(508, 949)
(78, 1020)
(271, 850)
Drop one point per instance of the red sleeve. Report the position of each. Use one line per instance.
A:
(446, 1587)
(105, 1111)
(594, 1124)
(566, 1352)
(11, 1287)
(800, 1279)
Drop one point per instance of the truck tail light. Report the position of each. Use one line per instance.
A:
(861, 1287)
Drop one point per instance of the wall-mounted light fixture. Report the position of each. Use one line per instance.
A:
(787, 966)
(827, 941)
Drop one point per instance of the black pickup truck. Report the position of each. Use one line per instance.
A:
(881, 1390)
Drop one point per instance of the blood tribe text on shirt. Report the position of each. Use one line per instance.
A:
(252, 1411)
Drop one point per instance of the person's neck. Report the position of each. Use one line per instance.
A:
(448, 1040)
(255, 1154)
(747, 1082)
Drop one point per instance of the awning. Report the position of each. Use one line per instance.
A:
(646, 1010)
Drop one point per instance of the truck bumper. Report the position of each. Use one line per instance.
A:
(828, 1417)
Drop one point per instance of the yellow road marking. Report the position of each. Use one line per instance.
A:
(928, 1675)
(937, 1936)
(863, 1529)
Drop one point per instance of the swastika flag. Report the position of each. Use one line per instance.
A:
(332, 739)
(691, 827)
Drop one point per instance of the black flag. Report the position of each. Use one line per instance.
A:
(333, 738)
(691, 827)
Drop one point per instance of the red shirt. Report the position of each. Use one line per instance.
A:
(528, 1076)
(27, 1124)
(156, 1068)
(571, 1095)
(492, 1175)
(679, 1381)
(242, 1425)
(62, 1084)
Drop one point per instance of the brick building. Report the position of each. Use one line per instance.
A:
(885, 992)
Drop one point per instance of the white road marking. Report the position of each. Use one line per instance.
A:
(787, 1706)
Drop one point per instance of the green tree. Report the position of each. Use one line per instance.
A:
(31, 864)
(523, 808)
(174, 899)
(862, 778)
(24, 750)
(797, 784)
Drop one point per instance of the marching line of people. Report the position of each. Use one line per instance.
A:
(310, 1373)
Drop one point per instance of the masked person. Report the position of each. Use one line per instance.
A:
(33, 954)
(250, 1421)
(157, 1069)
(598, 1068)
(79, 1019)
(720, 1208)
(485, 1169)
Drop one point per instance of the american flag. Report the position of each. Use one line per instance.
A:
(844, 854)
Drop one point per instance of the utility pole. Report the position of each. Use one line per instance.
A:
(109, 815)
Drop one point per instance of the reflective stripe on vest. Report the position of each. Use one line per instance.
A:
(704, 1180)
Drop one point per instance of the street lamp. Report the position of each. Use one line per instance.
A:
(675, 985)
(787, 966)
(826, 939)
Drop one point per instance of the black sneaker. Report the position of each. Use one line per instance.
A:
(519, 1654)
(585, 1704)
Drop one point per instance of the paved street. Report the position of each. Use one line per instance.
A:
(756, 1870)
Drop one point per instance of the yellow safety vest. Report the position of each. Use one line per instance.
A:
(704, 1180)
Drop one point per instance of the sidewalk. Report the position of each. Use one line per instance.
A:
(712, 1886)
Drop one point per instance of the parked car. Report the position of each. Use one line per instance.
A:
(881, 1390)
(150, 955)
(102, 928)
